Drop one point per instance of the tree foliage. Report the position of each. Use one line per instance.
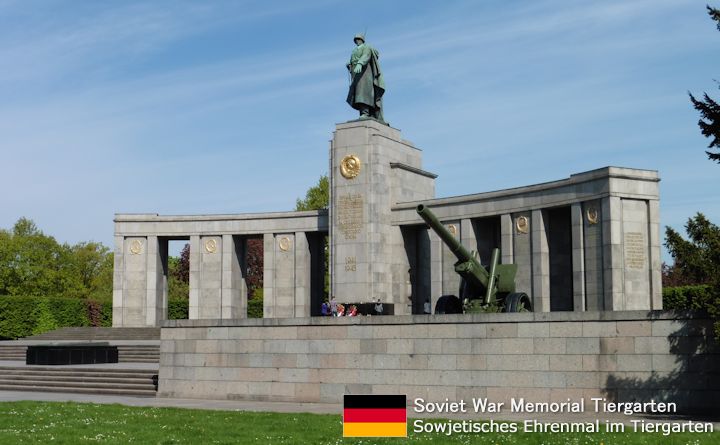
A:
(179, 283)
(317, 196)
(35, 264)
(180, 267)
(709, 109)
(254, 261)
(697, 261)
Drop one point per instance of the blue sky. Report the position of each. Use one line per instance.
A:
(178, 107)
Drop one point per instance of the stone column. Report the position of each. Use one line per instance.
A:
(135, 286)
(636, 255)
(234, 289)
(540, 263)
(269, 275)
(280, 269)
(613, 253)
(194, 279)
(578, 257)
(436, 275)
(506, 239)
(118, 282)
(211, 253)
(156, 291)
(303, 278)
(523, 255)
(139, 282)
(592, 217)
(655, 257)
(450, 279)
(467, 234)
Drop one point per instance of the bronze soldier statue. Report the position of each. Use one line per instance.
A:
(367, 85)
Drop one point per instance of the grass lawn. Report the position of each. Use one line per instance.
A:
(73, 423)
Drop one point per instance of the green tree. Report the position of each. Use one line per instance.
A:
(88, 270)
(317, 196)
(709, 109)
(31, 261)
(697, 259)
(180, 266)
(179, 275)
(35, 264)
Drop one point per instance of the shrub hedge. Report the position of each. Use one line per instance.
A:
(178, 308)
(255, 308)
(25, 316)
(697, 297)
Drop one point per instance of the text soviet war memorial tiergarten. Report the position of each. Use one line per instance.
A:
(547, 291)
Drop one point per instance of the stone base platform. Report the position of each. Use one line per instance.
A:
(543, 357)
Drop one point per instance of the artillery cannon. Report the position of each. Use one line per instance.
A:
(480, 287)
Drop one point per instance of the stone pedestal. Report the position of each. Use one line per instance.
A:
(371, 169)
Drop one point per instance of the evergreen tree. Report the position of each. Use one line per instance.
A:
(697, 261)
(709, 109)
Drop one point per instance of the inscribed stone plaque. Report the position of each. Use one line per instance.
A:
(350, 215)
(635, 250)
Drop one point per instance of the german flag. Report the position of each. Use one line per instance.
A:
(375, 416)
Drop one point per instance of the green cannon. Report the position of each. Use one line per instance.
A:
(481, 287)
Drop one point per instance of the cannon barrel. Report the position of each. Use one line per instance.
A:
(467, 266)
(478, 283)
(455, 247)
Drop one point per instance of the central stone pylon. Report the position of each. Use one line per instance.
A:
(371, 169)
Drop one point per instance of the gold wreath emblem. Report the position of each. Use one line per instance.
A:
(284, 243)
(452, 228)
(350, 166)
(210, 246)
(592, 215)
(522, 225)
(136, 247)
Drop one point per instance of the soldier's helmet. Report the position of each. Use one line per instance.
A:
(359, 36)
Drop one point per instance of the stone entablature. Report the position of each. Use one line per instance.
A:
(627, 183)
(152, 224)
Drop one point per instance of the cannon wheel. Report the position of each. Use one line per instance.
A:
(517, 302)
(448, 304)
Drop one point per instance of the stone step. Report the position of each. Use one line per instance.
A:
(137, 382)
(79, 379)
(60, 371)
(69, 383)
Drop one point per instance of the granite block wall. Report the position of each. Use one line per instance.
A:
(623, 356)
